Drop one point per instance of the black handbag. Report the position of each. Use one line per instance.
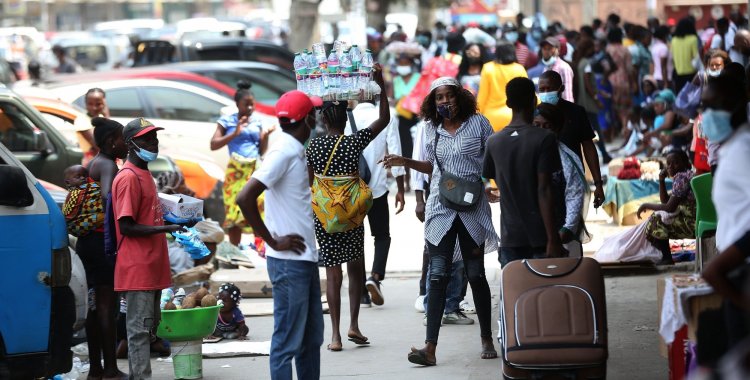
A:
(364, 169)
(455, 192)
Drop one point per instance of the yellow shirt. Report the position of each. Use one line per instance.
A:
(491, 98)
(684, 50)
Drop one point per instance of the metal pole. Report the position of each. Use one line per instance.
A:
(538, 7)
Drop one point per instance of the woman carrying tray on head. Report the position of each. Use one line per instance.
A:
(337, 155)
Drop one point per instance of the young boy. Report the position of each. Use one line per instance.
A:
(142, 267)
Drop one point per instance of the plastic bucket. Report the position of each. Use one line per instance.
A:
(187, 359)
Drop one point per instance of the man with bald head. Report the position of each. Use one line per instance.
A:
(741, 49)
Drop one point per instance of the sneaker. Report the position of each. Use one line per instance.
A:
(373, 286)
(365, 301)
(467, 308)
(457, 318)
(419, 304)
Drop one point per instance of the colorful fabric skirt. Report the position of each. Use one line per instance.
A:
(679, 225)
(239, 171)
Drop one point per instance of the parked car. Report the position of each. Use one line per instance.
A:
(92, 53)
(154, 52)
(35, 277)
(200, 173)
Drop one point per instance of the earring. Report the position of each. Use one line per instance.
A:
(113, 146)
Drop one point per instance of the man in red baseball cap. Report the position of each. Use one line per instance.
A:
(288, 230)
(142, 267)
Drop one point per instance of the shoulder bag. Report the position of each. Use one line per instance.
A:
(341, 202)
(455, 192)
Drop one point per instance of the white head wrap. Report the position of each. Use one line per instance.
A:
(444, 81)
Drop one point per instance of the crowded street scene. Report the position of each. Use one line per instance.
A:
(307, 189)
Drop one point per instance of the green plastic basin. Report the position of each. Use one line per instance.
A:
(188, 324)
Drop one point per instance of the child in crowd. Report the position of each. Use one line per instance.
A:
(231, 322)
(83, 207)
(634, 131)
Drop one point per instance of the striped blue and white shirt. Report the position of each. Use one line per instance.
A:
(461, 154)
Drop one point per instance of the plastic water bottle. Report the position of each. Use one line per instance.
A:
(356, 56)
(365, 70)
(300, 69)
(314, 80)
(346, 74)
(334, 73)
(319, 52)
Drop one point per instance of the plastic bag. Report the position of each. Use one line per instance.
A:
(191, 241)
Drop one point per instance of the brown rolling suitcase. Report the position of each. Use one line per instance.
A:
(553, 319)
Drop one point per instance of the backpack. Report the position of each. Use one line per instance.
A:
(111, 245)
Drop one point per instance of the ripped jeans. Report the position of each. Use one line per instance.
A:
(441, 261)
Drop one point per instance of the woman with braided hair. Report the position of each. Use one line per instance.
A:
(336, 154)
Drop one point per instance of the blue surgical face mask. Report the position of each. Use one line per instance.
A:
(716, 125)
(144, 154)
(549, 62)
(713, 73)
(511, 36)
(445, 110)
(549, 97)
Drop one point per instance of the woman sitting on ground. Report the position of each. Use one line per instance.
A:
(674, 219)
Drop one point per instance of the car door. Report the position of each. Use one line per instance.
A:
(25, 252)
(188, 119)
(122, 103)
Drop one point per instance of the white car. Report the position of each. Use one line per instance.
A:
(187, 113)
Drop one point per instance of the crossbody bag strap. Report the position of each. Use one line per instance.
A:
(330, 158)
(437, 160)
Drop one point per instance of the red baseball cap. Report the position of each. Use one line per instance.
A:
(295, 105)
(138, 127)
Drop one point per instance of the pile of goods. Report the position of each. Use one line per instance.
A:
(171, 300)
(344, 74)
(631, 169)
(650, 170)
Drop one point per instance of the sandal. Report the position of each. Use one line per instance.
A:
(334, 348)
(358, 340)
(419, 357)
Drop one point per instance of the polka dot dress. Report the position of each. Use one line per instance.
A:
(339, 248)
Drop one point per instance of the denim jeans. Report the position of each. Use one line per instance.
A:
(143, 315)
(508, 254)
(297, 319)
(441, 260)
(453, 295)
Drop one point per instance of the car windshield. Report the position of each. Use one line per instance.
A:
(88, 56)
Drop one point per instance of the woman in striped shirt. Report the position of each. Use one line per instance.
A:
(456, 135)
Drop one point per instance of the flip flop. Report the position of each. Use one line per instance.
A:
(334, 349)
(358, 340)
(420, 358)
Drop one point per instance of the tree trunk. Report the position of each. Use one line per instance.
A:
(426, 14)
(303, 24)
(376, 12)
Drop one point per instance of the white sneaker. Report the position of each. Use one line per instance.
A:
(467, 308)
(419, 304)
(457, 318)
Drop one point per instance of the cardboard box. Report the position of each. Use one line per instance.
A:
(179, 208)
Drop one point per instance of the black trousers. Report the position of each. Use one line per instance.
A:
(379, 218)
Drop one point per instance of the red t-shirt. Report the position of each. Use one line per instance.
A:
(142, 262)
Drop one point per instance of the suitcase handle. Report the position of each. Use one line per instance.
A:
(550, 265)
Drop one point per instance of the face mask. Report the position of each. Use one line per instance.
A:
(716, 125)
(713, 73)
(403, 70)
(549, 97)
(511, 36)
(144, 154)
(445, 111)
(549, 62)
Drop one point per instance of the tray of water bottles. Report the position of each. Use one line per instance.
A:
(343, 74)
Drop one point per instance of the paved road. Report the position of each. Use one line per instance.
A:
(393, 328)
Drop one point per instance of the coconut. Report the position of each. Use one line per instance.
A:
(208, 300)
(170, 306)
(189, 302)
(199, 294)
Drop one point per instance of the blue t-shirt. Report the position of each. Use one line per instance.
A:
(247, 144)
